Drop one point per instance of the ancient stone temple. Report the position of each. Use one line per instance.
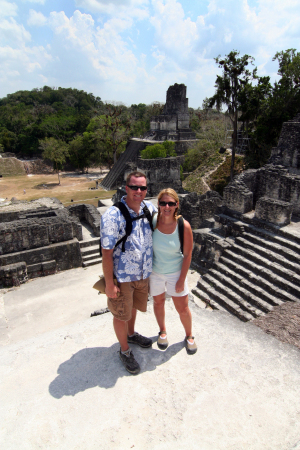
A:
(287, 152)
(248, 249)
(41, 237)
(273, 191)
(173, 125)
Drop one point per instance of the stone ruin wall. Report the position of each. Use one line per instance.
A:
(42, 241)
(270, 181)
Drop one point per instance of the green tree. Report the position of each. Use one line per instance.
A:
(235, 76)
(164, 150)
(271, 106)
(56, 151)
(80, 152)
(111, 130)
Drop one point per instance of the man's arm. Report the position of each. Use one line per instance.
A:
(111, 289)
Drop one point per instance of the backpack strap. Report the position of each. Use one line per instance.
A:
(181, 232)
(148, 216)
(129, 220)
(128, 228)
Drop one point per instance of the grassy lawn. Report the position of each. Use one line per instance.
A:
(72, 187)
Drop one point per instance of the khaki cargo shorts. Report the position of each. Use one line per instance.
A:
(133, 294)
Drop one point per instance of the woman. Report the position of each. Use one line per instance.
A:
(170, 267)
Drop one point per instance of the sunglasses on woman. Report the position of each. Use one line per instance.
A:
(136, 188)
(161, 203)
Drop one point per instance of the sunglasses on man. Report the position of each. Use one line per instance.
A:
(136, 188)
(161, 203)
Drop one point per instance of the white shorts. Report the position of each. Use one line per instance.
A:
(161, 282)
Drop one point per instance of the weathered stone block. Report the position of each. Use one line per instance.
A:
(238, 197)
(274, 211)
(13, 274)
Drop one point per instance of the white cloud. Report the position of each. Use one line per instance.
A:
(100, 51)
(175, 33)
(20, 67)
(36, 19)
(13, 33)
(130, 8)
(8, 9)
(41, 2)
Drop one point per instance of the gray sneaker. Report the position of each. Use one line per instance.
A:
(140, 340)
(130, 364)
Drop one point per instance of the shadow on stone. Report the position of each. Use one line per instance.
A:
(100, 366)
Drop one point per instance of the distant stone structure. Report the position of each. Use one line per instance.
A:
(287, 152)
(41, 237)
(173, 125)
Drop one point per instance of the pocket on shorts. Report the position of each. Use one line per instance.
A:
(116, 306)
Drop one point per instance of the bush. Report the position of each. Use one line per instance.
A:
(163, 150)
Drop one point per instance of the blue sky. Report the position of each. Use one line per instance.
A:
(131, 51)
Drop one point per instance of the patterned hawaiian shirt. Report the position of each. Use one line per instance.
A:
(136, 262)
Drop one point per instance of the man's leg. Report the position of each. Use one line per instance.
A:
(140, 298)
(121, 330)
(131, 323)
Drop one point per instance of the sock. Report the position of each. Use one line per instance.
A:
(132, 334)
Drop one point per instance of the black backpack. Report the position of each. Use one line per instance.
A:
(129, 220)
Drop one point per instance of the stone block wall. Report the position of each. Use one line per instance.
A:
(38, 241)
(66, 254)
(198, 208)
(238, 197)
(89, 213)
(13, 274)
(161, 173)
(25, 234)
(274, 211)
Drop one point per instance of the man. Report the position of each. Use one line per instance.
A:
(132, 267)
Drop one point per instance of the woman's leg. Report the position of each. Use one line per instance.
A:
(181, 305)
(159, 311)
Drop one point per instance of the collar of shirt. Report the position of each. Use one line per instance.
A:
(123, 200)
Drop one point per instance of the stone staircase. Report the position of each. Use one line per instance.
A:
(90, 252)
(130, 154)
(259, 270)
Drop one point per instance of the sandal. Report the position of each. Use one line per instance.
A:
(190, 348)
(162, 343)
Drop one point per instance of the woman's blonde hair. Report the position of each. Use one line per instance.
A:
(171, 193)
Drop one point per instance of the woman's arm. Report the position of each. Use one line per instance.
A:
(187, 255)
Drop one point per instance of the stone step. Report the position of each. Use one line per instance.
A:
(92, 250)
(216, 280)
(92, 241)
(92, 262)
(265, 278)
(220, 299)
(205, 297)
(278, 246)
(229, 285)
(280, 236)
(260, 263)
(251, 283)
(269, 254)
(90, 257)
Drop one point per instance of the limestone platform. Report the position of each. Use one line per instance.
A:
(62, 385)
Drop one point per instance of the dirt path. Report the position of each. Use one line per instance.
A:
(207, 175)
